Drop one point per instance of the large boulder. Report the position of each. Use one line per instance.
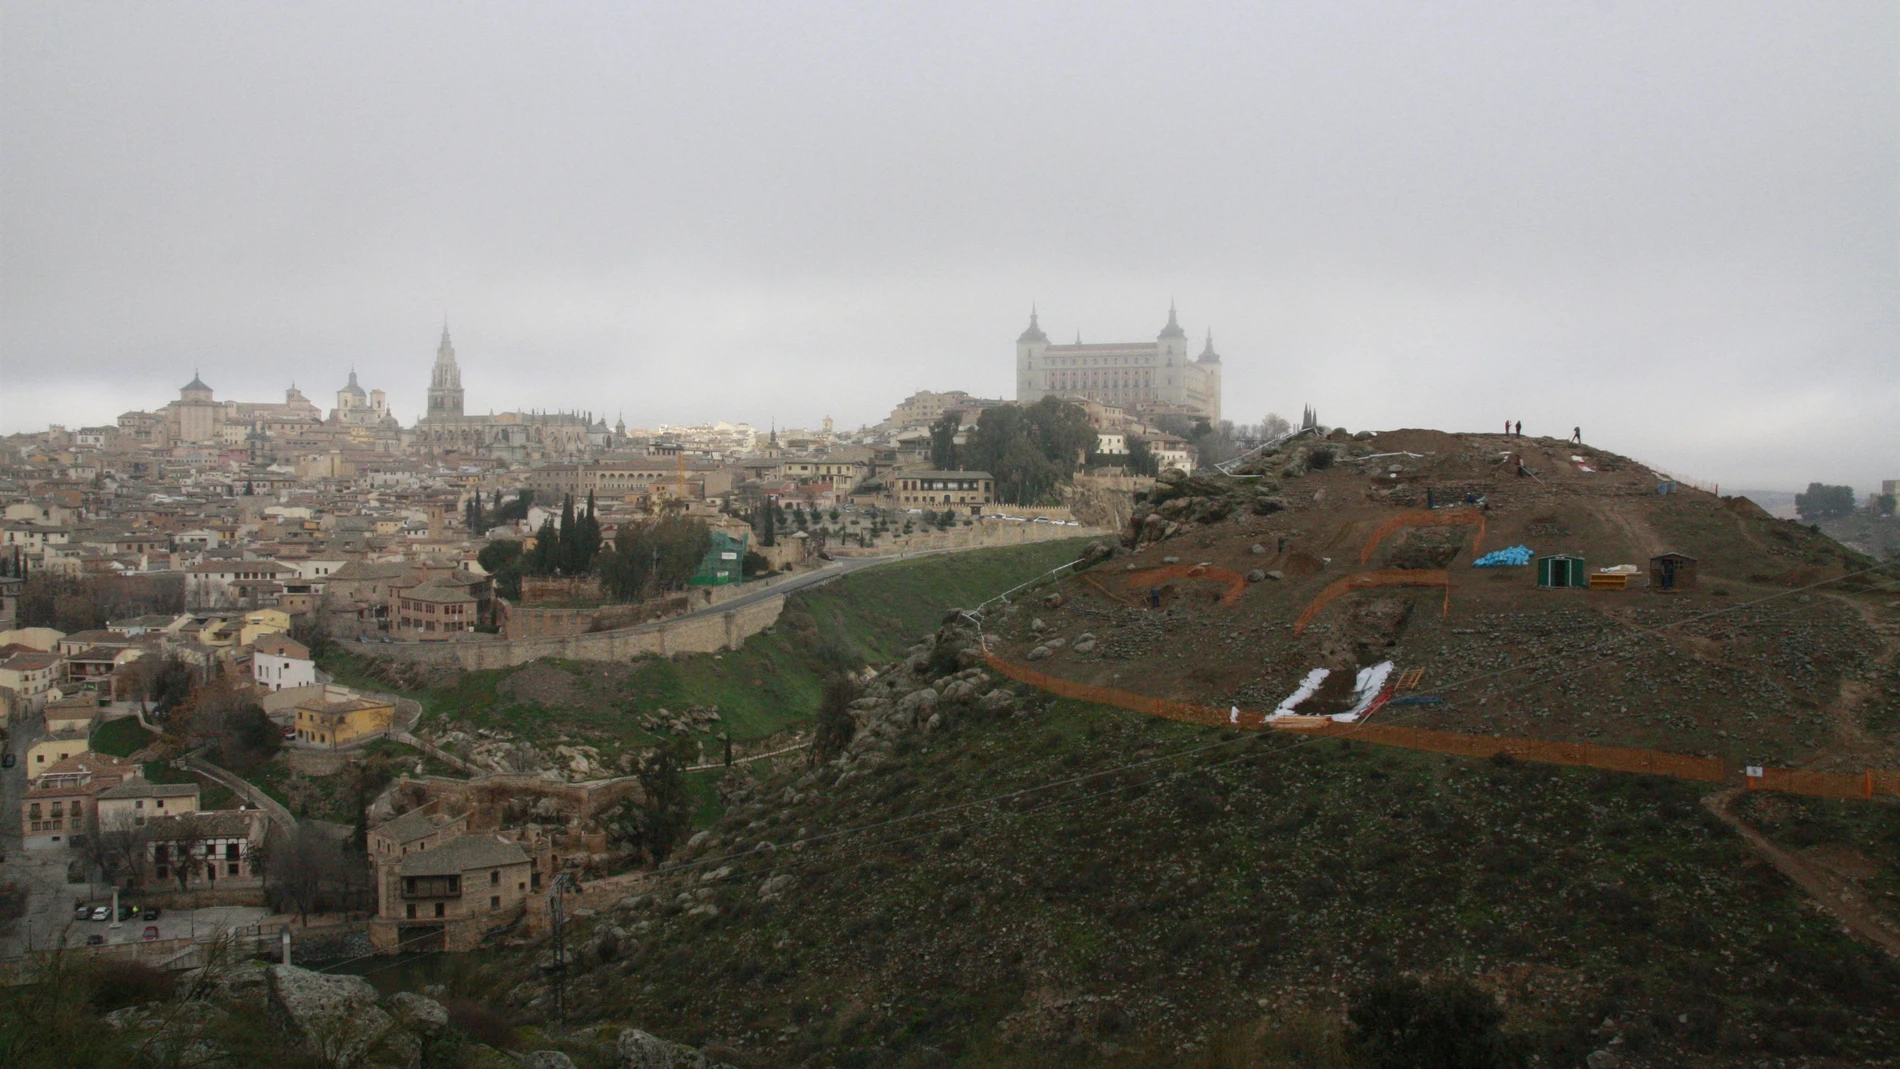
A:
(639, 1050)
(337, 1019)
(917, 705)
(546, 1059)
(419, 1013)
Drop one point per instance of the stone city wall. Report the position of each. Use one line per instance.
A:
(704, 632)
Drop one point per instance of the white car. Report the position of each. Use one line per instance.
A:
(102, 913)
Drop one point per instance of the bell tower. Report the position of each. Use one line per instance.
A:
(445, 382)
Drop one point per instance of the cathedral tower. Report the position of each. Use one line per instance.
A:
(445, 382)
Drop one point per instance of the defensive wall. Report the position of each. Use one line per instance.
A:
(536, 621)
(702, 632)
(984, 534)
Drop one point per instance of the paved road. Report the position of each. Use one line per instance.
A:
(245, 788)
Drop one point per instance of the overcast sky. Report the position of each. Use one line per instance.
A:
(1677, 225)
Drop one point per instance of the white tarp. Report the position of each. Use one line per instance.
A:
(1365, 688)
(1306, 688)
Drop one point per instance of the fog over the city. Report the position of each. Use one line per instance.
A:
(1675, 225)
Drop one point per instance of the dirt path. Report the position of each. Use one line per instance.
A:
(1835, 894)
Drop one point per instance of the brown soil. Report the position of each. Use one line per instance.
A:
(1710, 670)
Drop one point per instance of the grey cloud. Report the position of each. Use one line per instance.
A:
(1677, 226)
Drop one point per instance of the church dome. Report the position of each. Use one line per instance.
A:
(196, 384)
(353, 389)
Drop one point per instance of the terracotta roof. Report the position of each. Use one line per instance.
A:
(139, 788)
(409, 826)
(279, 645)
(460, 854)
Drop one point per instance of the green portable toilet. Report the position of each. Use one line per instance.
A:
(1561, 570)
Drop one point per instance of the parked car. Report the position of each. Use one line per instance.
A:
(151, 913)
(102, 913)
(95, 940)
(128, 912)
(290, 734)
(82, 912)
(7, 761)
(151, 932)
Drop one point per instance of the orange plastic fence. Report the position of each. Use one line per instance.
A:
(1368, 580)
(1587, 755)
(1426, 518)
(1236, 582)
(1827, 784)
(1121, 699)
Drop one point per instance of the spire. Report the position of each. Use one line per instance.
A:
(1173, 329)
(1208, 355)
(1034, 333)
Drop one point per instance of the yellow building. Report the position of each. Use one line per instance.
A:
(261, 622)
(49, 750)
(334, 724)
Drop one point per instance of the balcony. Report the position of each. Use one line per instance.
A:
(432, 887)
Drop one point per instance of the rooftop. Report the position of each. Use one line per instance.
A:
(461, 854)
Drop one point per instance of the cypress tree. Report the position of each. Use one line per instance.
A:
(768, 532)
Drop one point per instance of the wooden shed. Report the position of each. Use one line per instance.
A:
(1672, 571)
(1561, 570)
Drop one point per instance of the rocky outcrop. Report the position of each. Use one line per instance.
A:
(1181, 502)
(640, 1050)
(337, 1020)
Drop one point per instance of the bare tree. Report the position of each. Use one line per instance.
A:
(180, 844)
(120, 847)
(307, 871)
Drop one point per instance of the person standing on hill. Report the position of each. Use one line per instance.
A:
(1507, 428)
(1520, 428)
(1576, 435)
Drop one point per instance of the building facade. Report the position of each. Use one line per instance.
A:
(1157, 375)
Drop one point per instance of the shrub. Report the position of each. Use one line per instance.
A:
(1400, 1023)
(118, 984)
(480, 1021)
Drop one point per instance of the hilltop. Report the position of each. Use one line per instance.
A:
(1782, 653)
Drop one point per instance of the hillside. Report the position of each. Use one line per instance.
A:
(1763, 661)
(761, 691)
(1032, 882)
(985, 875)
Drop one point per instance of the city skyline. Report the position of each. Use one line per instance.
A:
(1401, 217)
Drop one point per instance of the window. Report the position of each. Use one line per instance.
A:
(440, 910)
(232, 869)
(412, 911)
(495, 876)
(494, 901)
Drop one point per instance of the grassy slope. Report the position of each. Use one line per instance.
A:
(121, 738)
(775, 680)
(1127, 922)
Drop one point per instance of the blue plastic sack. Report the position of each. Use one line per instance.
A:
(1514, 556)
